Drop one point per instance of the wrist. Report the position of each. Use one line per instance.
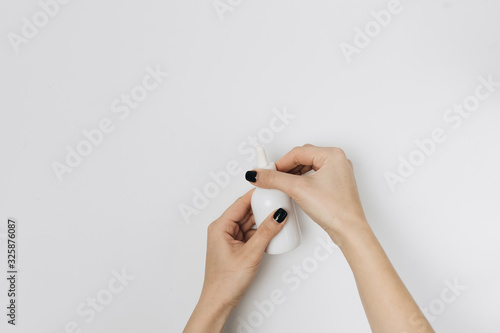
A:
(218, 304)
(215, 306)
(209, 315)
(351, 232)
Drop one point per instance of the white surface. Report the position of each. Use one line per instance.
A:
(120, 207)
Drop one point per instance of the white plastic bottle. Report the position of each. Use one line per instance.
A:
(265, 201)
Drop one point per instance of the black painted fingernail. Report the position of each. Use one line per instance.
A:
(280, 215)
(251, 176)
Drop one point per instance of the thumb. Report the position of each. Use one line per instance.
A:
(266, 178)
(271, 226)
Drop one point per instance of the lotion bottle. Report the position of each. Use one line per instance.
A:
(265, 201)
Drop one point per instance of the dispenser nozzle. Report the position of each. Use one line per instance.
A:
(262, 161)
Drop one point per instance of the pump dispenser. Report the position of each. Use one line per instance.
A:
(265, 201)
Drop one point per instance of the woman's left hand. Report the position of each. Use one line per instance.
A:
(234, 252)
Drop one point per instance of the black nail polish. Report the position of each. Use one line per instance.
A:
(280, 215)
(251, 176)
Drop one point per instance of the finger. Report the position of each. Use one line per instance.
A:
(285, 182)
(239, 235)
(249, 234)
(307, 155)
(300, 170)
(295, 170)
(304, 169)
(237, 211)
(247, 216)
(225, 228)
(248, 224)
(271, 226)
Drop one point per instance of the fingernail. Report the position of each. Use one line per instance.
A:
(251, 176)
(280, 215)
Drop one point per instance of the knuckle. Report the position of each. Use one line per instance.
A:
(211, 227)
(265, 231)
(337, 152)
(270, 177)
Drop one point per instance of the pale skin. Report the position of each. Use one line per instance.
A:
(330, 197)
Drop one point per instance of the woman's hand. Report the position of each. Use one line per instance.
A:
(234, 252)
(329, 195)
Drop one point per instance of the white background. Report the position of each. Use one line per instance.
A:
(119, 209)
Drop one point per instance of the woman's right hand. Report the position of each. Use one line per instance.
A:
(329, 195)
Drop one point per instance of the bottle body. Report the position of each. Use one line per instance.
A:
(264, 202)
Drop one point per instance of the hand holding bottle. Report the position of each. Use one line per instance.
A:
(329, 195)
(234, 252)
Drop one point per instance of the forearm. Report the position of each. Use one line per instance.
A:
(208, 316)
(388, 305)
